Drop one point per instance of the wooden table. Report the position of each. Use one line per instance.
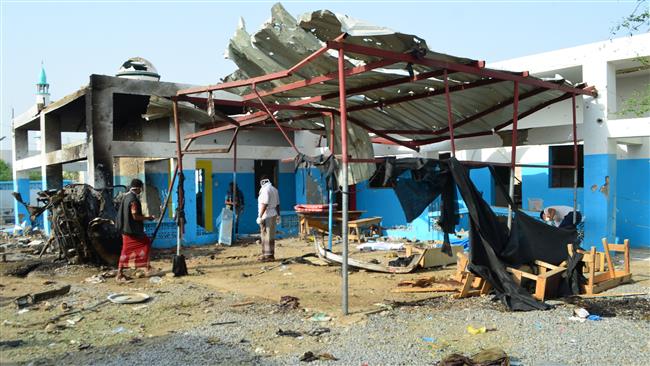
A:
(307, 217)
(356, 227)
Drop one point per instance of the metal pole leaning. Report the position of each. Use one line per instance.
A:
(179, 167)
(344, 184)
(575, 159)
(513, 153)
(330, 218)
(449, 117)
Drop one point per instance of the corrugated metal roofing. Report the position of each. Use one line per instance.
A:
(284, 41)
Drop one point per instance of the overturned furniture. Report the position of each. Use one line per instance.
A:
(546, 278)
(471, 285)
(434, 256)
(609, 278)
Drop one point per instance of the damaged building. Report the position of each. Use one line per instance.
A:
(128, 132)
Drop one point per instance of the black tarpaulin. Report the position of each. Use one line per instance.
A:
(492, 245)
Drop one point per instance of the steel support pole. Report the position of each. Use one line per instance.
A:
(344, 184)
(575, 159)
(235, 199)
(513, 153)
(179, 167)
(330, 216)
(449, 117)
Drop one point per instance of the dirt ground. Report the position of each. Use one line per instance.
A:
(222, 279)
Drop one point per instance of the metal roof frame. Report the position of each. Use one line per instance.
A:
(311, 105)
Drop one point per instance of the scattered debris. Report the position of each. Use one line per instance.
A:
(155, 280)
(309, 356)
(245, 303)
(223, 323)
(82, 222)
(318, 331)
(128, 297)
(488, 357)
(11, 343)
(289, 302)
(320, 317)
(474, 331)
(213, 340)
(95, 279)
(84, 346)
(23, 270)
(288, 333)
(74, 320)
(31, 299)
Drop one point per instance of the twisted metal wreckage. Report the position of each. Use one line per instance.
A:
(347, 80)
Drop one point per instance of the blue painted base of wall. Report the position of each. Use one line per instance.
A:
(633, 202)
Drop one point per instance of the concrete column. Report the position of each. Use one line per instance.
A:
(99, 129)
(600, 163)
(20, 150)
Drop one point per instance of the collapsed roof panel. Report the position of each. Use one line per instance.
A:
(395, 85)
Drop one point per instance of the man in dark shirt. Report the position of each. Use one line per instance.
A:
(131, 224)
(235, 200)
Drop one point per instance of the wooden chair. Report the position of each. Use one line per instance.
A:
(547, 281)
(471, 285)
(609, 278)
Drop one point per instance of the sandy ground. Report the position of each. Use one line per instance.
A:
(222, 281)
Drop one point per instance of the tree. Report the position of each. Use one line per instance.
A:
(636, 21)
(5, 171)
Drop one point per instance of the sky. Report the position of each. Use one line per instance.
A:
(186, 40)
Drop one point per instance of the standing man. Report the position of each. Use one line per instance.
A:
(561, 216)
(235, 202)
(268, 204)
(130, 222)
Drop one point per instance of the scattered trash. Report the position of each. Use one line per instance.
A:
(288, 333)
(428, 339)
(318, 331)
(245, 303)
(22, 311)
(309, 356)
(581, 313)
(119, 330)
(488, 357)
(538, 326)
(98, 278)
(30, 299)
(74, 320)
(139, 307)
(64, 306)
(223, 323)
(213, 340)
(155, 279)
(11, 343)
(320, 317)
(474, 331)
(594, 317)
(128, 297)
(289, 302)
(83, 346)
(53, 328)
(380, 246)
